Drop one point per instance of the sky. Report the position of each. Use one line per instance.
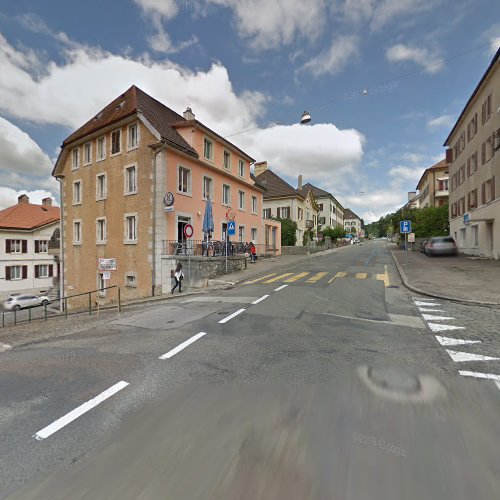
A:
(383, 80)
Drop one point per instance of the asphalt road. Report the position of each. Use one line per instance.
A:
(328, 383)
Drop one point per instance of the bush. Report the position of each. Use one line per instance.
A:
(288, 232)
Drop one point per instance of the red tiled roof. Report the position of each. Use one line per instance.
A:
(349, 214)
(132, 101)
(28, 216)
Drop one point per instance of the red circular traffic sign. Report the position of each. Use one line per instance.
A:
(188, 230)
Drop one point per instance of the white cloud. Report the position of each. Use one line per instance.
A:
(404, 176)
(388, 10)
(431, 62)
(270, 25)
(331, 61)
(8, 196)
(160, 41)
(443, 121)
(167, 9)
(36, 24)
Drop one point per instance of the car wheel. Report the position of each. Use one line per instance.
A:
(45, 302)
(16, 308)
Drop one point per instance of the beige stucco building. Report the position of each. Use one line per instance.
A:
(433, 186)
(474, 152)
(330, 211)
(353, 224)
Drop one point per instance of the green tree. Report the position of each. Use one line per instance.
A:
(288, 232)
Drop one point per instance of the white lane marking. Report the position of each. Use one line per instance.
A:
(425, 310)
(77, 412)
(422, 298)
(182, 346)
(280, 288)
(231, 316)
(264, 297)
(498, 385)
(4, 347)
(436, 327)
(466, 356)
(431, 304)
(490, 376)
(450, 341)
(431, 317)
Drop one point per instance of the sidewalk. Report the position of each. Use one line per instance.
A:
(462, 278)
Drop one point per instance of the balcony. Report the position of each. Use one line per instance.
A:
(442, 193)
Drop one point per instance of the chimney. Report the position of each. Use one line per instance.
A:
(259, 167)
(47, 202)
(411, 195)
(299, 186)
(24, 198)
(188, 114)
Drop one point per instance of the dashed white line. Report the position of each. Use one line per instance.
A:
(431, 317)
(426, 304)
(436, 327)
(467, 356)
(423, 309)
(498, 385)
(182, 346)
(77, 412)
(231, 316)
(264, 297)
(451, 341)
(490, 376)
(280, 288)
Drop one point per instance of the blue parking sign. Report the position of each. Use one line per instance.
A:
(231, 228)
(405, 226)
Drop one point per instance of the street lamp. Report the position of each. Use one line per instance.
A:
(306, 118)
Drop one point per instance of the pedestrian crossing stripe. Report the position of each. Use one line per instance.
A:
(318, 277)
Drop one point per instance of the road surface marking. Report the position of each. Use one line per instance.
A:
(466, 356)
(4, 347)
(431, 317)
(338, 275)
(77, 412)
(296, 278)
(436, 327)
(432, 304)
(384, 277)
(258, 279)
(182, 346)
(278, 278)
(280, 288)
(498, 385)
(490, 376)
(316, 277)
(264, 297)
(361, 276)
(450, 341)
(396, 319)
(231, 316)
(423, 309)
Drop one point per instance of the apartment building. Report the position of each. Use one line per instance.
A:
(353, 224)
(132, 178)
(474, 155)
(281, 200)
(433, 185)
(331, 212)
(25, 262)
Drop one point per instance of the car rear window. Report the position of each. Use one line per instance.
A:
(444, 239)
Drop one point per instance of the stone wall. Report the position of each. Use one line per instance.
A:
(198, 270)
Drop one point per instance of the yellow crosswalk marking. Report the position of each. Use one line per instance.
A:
(258, 279)
(384, 277)
(296, 278)
(340, 274)
(361, 276)
(316, 277)
(278, 278)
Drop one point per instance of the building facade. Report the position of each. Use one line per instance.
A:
(353, 224)
(25, 262)
(132, 179)
(433, 186)
(474, 153)
(330, 211)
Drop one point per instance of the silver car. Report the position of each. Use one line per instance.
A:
(16, 302)
(441, 245)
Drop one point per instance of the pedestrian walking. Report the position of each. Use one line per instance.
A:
(253, 253)
(178, 277)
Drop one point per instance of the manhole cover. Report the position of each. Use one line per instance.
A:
(394, 378)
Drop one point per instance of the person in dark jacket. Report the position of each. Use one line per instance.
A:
(178, 277)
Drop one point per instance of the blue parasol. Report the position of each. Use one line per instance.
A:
(208, 219)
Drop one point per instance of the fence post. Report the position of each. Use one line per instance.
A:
(119, 300)
(90, 303)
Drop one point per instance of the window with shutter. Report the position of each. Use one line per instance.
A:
(483, 113)
(483, 153)
(7, 273)
(51, 270)
(25, 246)
(483, 193)
(7, 246)
(37, 271)
(493, 188)
(37, 246)
(25, 272)
(278, 211)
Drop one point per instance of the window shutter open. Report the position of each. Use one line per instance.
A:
(7, 273)
(483, 193)
(449, 155)
(278, 212)
(483, 153)
(493, 188)
(37, 246)
(25, 246)
(37, 271)
(51, 270)
(7, 247)
(25, 271)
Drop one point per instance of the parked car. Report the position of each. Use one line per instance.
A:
(441, 245)
(15, 301)
(422, 247)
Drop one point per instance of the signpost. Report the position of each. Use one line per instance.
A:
(188, 233)
(231, 227)
(405, 228)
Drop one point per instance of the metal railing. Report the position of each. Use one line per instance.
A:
(213, 248)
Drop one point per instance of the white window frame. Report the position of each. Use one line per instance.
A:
(241, 233)
(103, 195)
(252, 233)
(120, 144)
(126, 239)
(98, 239)
(12, 278)
(13, 243)
(89, 160)
(241, 168)
(211, 157)
(77, 150)
(241, 206)
(189, 180)
(97, 157)
(126, 169)
(101, 284)
(43, 246)
(79, 200)
(129, 284)
(228, 153)
(43, 266)
(79, 240)
(211, 194)
(228, 204)
(255, 204)
(131, 147)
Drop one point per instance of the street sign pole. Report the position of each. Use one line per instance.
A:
(406, 248)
